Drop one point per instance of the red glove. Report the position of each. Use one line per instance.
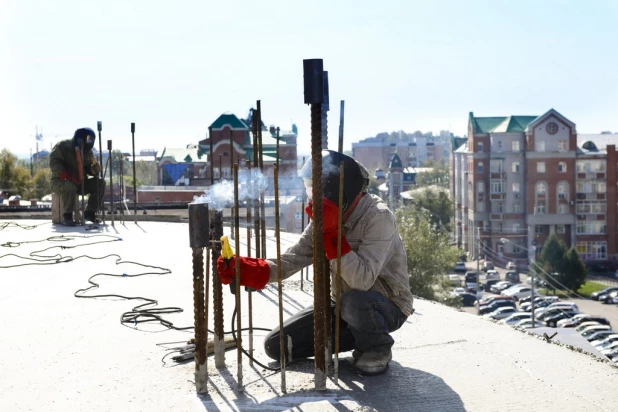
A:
(254, 272)
(330, 217)
(64, 175)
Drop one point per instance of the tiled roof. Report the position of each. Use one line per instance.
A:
(508, 124)
(231, 120)
(395, 162)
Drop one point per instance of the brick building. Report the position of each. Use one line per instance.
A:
(525, 177)
(377, 152)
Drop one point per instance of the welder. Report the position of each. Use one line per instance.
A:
(72, 164)
(375, 296)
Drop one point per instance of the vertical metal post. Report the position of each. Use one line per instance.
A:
(111, 183)
(216, 227)
(134, 174)
(211, 158)
(121, 188)
(236, 231)
(326, 270)
(199, 238)
(279, 286)
(81, 164)
(101, 196)
(338, 273)
(532, 271)
(249, 294)
(340, 148)
(261, 161)
(206, 299)
(232, 210)
(302, 229)
(256, 188)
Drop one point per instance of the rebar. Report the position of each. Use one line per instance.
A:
(111, 183)
(256, 204)
(261, 161)
(83, 176)
(338, 274)
(318, 249)
(134, 174)
(302, 229)
(211, 157)
(216, 226)
(341, 111)
(206, 299)
(326, 268)
(121, 187)
(279, 286)
(101, 197)
(232, 210)
(238, 302)
(249, 294)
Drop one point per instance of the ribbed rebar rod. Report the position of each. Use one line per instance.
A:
(279, 286)
(206, 299)
(198, 305)
(261, 161)
(236, 231)
(211, 158)
(101, 206)
(121, 187)
(318, 249)
(111, 183)
(256, 187)
(249, 294)
(326, 269)
(338, 274)
(134, 174)
(217, 289)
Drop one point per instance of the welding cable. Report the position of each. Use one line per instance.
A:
(247, 354)
(5, 225)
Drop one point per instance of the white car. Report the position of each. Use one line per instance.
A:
(539, 302)
(584, 325)
(458, 291)
(599, 335)
(527, 324)
(565, 305)
(605, 342)
(574, 318)
(501, 313)
(516, 318)
(608, 345)
(518, 293)
(454, 280)
(492, 275)
(511, 266)
(593, 329)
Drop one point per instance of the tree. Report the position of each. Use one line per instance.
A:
(41, 183)
(438, 203)
(561, 267)
(13, 177)
(428, 250)
(574, 274)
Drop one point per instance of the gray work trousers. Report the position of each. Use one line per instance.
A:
(67, 191)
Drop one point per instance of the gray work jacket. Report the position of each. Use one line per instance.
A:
(377, 261)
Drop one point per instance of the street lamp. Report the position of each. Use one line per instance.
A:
(505, 240)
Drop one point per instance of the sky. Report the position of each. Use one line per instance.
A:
(174, 67)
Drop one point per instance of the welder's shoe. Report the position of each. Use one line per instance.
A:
(67, 220)
(89, 216)
(373, 363)
(356, 354)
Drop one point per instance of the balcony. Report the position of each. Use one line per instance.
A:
(497, 196)
(497, 175)
(496, 216)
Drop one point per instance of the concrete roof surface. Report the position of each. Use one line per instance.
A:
(61, 353)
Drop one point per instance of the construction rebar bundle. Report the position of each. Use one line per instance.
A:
(134, 179)
(279, 286)
(249, 294)
(236, 231)
(199, 238)
(338, 274)
(216, 231)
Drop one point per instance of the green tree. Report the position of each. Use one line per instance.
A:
(437, 202)
(14, 177)
(551, 260)
(41, 182)
(574, 272)
(428, 250)
(437, 176)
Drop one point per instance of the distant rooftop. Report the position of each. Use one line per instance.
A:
(508, 124)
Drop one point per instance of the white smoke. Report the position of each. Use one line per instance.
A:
(220, 195)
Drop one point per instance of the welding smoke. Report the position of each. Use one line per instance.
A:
(250, 185)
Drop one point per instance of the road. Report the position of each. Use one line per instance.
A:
(591, 307)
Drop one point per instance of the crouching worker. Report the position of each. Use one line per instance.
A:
(69, 169)
(375, 298)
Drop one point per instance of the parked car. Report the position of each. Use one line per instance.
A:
(516, 318)
(602, 294)
(512, 277)
(460, 267)
(495, 305)
(563, 304)
(546, 313)
(600, 335)
(492, 275)
(468, 299)
(488, 284)
(585, 325)
(458, 291)
(607, 342)
(582, 317)
(454, 280)
(519, 293)
(593, 329)
(511, 266)
(611, 298)
(487, 301)
(487, 266)
(552, 320)
(471, 277)
(497, 287)
(527, 324)
(539, 302)
(501, 313)
(472, 287)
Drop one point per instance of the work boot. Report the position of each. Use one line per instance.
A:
(356, 354)
(89, 216)
(67, 220)
(373, 363)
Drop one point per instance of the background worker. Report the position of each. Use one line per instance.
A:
(375, 299)
(69, 169)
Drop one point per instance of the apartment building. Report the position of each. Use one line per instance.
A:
(525, 177)
(377, 152)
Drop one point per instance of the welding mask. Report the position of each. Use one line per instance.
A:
(85, 138)
(355, 177)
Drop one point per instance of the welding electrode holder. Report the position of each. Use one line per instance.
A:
(199, 236)
(313, 76)
(99, 126)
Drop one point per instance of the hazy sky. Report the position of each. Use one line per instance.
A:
(174, 67)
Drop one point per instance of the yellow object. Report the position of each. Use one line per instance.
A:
(226, 249)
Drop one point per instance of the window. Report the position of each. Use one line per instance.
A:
(552, 128)
(480, 206)
(591, 208)
(479, 147)
(516, 228)
(299, 215)
(562, 146)
(538, 230)
(479, 167)
(499, 145)
(480, 187)
(500, 207)
(592, 250)
(516, 207)
(226, 172)
(497, 186)
(591, 227)
(485, 224)
(562, 167)
(597, 166)
(515, 167)
(516, 248)
(540, 167)
(540, 146)
(541, 188)
(561, 229)
(515, 145)
(563, 190)
(563, 209)
(500, 227)
(540, 209)
(495, 166)
(515, 188)
(587, 186)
